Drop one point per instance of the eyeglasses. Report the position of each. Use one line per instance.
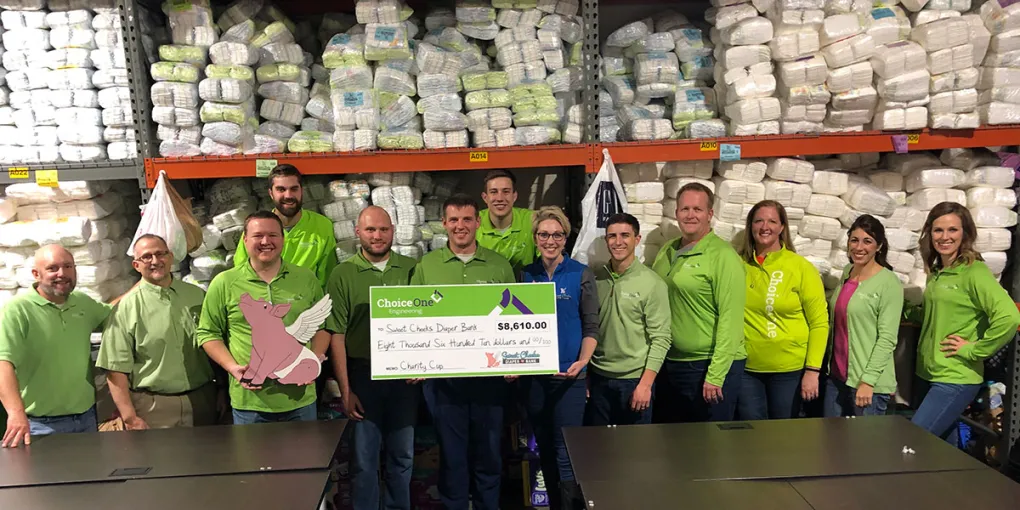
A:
(149, 257)
(556, 236)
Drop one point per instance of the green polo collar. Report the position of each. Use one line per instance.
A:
(449, 255)
(251, 275)
(37, 298)
(364, 264)
(487, 228)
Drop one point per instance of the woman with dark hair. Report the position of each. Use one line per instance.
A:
(968, 317)
(785, 319)
(864, 319)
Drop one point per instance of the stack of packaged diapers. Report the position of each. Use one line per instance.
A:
(745, 83)
(950, 61)
(800, 69)
(228, 89)
(114, 98)
(990, 199)
(559, 34)
(999, 71)
(645, 192)
(527, 56)
(175, 95)
(656, 73)
(30, 122)
(93, 220)
(901, 72)
(71, 91)
(695, 105)
(617, 79)
(847, 48)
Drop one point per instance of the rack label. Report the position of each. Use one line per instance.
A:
(17, 172)
(899, 143)
(913, 139)
(729, 151)
(263, 167)
(47, 178)
(478, 156)
(709, 146)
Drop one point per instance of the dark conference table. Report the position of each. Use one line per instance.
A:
(271, 466)
(806, 464)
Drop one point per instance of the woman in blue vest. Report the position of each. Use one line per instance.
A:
(558, 401)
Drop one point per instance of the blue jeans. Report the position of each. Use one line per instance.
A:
(679, 397)
(68, 424)
(390, 410)
(609, 402)
(840, 400)
(773, 396)
(554, 403)
(306, 413)
(468, 416)
(941, 406)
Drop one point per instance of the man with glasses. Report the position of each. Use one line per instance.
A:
(503, 228)
(157, 374)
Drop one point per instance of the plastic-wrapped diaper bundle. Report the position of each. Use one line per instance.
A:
(846, 48)
(118, 114)
(999, 71)
(284, 78)
(950, 61)
(79, 118)
(745, 85)
(26, 39)
(89, 219)
(177, 104)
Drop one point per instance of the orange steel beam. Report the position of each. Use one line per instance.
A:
(331, 163)
(806, 145)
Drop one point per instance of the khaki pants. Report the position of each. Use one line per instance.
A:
(193, 409)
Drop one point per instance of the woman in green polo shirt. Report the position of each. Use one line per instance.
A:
(786, 323)
(864, 321)
(968, 317)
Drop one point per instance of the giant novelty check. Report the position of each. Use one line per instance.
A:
(464, 330)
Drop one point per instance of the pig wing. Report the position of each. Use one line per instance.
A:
(310, 320)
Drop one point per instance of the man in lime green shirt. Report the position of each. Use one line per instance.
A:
(467, 412)
(700, 379)
(383, 412)
(634, 326)
(157, 374)
(309, 241)
(225, 334)
(506, 229)
(45, 367)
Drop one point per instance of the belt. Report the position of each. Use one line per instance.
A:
(161, 394)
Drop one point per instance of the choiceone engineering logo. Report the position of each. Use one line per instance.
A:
(776, 279)
(415, 306)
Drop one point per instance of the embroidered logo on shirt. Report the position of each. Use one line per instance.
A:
(632, 295)
(770, 300)
(691, 265)
(563, 294)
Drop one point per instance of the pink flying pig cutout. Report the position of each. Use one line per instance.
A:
(277, 351)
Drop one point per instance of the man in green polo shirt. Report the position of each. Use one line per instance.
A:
(383, 412)
(225, 334)
(45, 368)
(503, 228)
(309, 241)
(158, 376)
(467, 412)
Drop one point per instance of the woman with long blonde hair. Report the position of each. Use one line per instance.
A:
(968, 317)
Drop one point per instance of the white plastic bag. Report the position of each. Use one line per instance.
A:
(605, 197)
(161, 219)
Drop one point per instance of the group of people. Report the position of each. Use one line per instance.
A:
(706, 333)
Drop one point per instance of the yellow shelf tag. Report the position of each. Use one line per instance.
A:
(17, 172)
(709, 146)
(913, 139)
(478, 157)
(47, 178)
